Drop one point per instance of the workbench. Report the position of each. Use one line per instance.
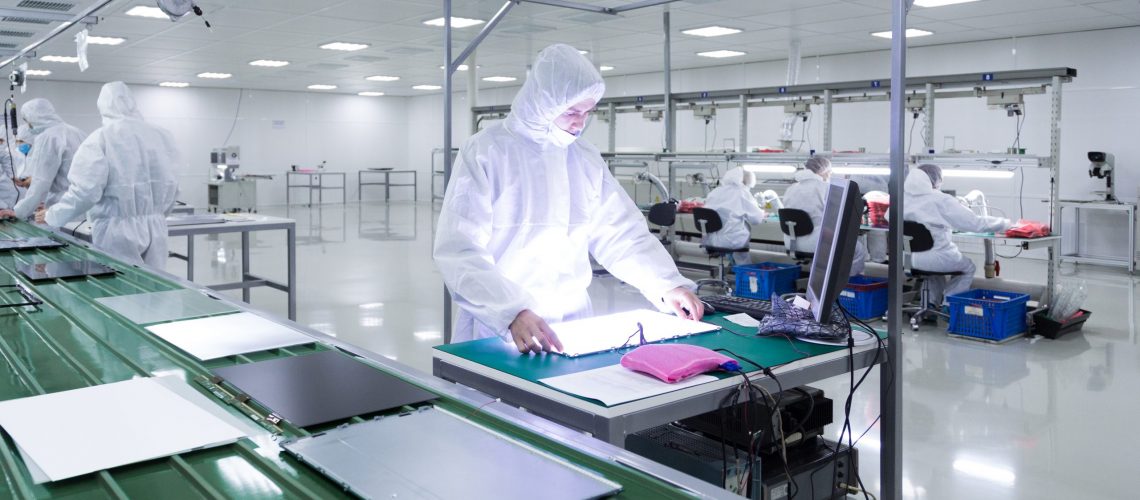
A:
(1078, 255)
(244, 224)
(496, 367)
(319, 186)
(71, 341)
(991, 240)
(387, 183)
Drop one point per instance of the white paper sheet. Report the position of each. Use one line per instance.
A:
(616, 384)
(71, 433)
(743, 320)
(220, 336)
(603, 333)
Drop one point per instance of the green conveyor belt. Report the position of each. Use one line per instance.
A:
(72, 342)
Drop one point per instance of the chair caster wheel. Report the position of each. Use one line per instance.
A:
(914, 324)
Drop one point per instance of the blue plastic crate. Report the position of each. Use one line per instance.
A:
(760, 281)
(865, 297)
(988, 314)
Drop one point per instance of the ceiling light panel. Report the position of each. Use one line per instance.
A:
(147, 11)
(105, 40)
(345, 46)
(214, 76)
(269, 63)
(910, 33)
(711, 31)
(720, 54)
(456, 22)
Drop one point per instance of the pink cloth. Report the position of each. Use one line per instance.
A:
(674, 362)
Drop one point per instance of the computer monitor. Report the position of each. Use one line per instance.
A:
(835, 248)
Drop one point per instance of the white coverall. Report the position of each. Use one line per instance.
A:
(737, 208)
(809, 194)
(8, 191)
(49, 161)
(942, 214)
(528, 204)
(123, 177)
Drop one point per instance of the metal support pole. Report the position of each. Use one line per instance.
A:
(1054, 186)
(670, 109)
(447, 69)
(612, 110)
(890, 383)
(828, 120)
(742, 141)
(472, 88)
(928, 137)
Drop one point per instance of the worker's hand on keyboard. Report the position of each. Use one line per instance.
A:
(685, 303)
(531, 334)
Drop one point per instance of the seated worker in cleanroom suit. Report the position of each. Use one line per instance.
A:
(122, 178)
(942, 214)
(48, 164)
(737, 208)
(809, 194)
(529, 202)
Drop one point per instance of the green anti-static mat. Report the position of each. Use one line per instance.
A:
(502, 356)
(159, 307)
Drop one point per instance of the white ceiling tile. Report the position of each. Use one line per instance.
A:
(1030, 17)
(986, 8)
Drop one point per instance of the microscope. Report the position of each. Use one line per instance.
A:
(1100, 166)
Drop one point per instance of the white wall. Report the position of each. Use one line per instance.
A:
(1099, 113)
(274, 129)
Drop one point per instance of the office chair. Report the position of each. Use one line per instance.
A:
(795, 224)
(917, 238)
(708, 221)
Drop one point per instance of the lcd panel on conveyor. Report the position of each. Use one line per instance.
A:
(321, 387)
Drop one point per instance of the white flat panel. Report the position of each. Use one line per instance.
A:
(71, 433)
(603, 333)
(220, 336)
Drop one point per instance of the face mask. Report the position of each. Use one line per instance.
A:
(25, 147)
(561, 138)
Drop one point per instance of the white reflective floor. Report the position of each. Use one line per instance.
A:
(1040, 420)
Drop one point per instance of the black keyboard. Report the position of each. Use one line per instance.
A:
(753, 307)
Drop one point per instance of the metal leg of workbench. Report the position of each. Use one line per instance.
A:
(359, 185)
(1131, 239)
(189, 257)
(291, 245)
(387, 187)
(245, 265)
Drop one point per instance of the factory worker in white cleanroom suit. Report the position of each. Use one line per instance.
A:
(737, 207)
(122, 177)
(809, 194)
(48, 163)
(942, 214)
(529, 202)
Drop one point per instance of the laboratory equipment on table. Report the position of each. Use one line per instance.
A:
(226, 190)
(1101, 166)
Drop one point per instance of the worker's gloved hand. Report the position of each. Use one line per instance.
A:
(532, 334)
(685, 303)
(7, 214)
(24, 182)
(40, 214)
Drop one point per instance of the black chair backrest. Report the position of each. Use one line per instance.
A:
(663, 214)
(712, 222)
(920, 238)
(804, 226)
